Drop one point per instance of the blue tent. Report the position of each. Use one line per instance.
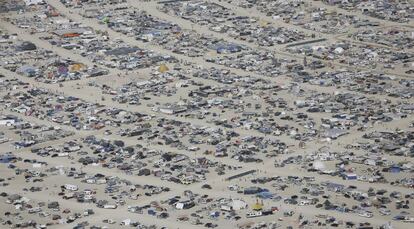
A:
(395, 169)
(351, 176)
(214, 214)
(27, 70)
(264, 195)
(232, 48)
(151, 212)
(7, 158)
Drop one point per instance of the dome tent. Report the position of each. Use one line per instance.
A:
(163, 68)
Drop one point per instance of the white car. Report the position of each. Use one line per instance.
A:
(366, 214)
(384, 211)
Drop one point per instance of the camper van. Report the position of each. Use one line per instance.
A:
(254, 214)
(71, 187)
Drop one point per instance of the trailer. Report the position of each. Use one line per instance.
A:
(71, 187)
(254, 214)
(110, 206)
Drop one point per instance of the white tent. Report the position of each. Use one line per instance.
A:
(319, 165)
(238, 205)
(339, 50)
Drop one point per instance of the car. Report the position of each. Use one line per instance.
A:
(210, 225)
(384, 211)
(206, 186)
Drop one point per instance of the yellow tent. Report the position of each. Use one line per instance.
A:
(163, 68)
(76, 67)
(263, 23)
(257, 206)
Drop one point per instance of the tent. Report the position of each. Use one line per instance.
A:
(319, 165)
(7, 158)
(26, 46)
(238, 205)
(105, 20)
(163, 68)
(62, 70)
(27, 70)
(214, 214)
(351, 176)
(395, 169)
(76, 67)
(257, 206)
(264, 195)
(263, 23)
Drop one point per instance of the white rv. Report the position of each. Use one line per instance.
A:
(71, 187)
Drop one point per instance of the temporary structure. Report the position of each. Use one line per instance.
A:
(163, 68)
(257, 206)
(76, 67)
(263, 23)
